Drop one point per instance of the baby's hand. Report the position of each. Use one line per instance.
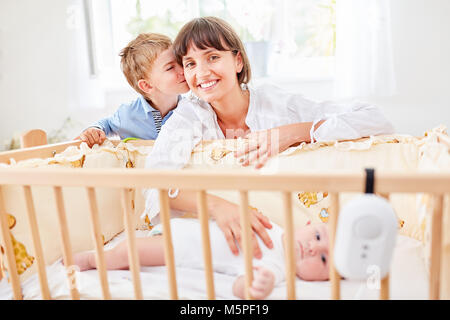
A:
(263, 283)
(92, 136)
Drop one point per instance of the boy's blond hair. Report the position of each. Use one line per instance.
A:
(138, 56)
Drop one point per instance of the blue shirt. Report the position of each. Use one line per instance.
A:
(136, 119)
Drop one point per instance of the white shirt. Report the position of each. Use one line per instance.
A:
(187, 247)
(269, 107)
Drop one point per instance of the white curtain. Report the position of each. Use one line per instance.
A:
(84, 88)
(364, 58)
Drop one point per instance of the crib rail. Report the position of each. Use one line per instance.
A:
(342, 181)
(48, 151)
(125, 179)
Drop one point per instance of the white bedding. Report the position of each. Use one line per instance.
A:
(408, 280)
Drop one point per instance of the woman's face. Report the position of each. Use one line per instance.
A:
(211, 74)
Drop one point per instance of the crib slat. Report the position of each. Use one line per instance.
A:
(133, 256)
(66, 246)
(289, 244)
(1, 260)
(9, 250)
(246, 241)
(334, 275)
(384, 195)
(436, 248)
(204, 222)
(384, 288)
(168, 246)
(37, 243)
(96, 233)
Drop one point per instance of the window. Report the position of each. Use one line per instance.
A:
(305, 40)
(283, 38)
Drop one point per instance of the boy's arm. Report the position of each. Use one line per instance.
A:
(262, 284)
(108, 124)
(97, 133)
(92, 136)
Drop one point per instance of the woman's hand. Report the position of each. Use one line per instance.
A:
(227, 217)
(266, 143)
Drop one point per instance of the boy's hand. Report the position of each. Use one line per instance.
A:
(263, 283)
(227, 217)
(92, 136)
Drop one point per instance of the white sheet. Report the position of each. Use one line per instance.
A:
(408, 280)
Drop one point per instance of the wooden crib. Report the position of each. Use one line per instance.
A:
(437, 184)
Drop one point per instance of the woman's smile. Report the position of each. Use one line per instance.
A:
(211, 73)
(208, 85)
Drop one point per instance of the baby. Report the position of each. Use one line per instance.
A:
(311, 255)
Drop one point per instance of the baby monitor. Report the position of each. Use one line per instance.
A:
(365, 235)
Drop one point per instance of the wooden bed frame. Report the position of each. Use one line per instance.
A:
(437, 184)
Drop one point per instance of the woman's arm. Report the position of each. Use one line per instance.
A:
(332, 121)
(352, 121)
(172, 150)
(264, 144)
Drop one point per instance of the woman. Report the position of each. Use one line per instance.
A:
(217, 71)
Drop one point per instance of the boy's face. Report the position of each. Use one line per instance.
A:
(312, 252)
(166, 76)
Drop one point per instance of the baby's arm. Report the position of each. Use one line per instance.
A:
(262, 285)
(149, 249)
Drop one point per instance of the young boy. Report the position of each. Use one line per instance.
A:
(311, 255)
(149, 65)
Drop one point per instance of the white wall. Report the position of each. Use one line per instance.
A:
(421, 44)
(421, 49)
(28, 47)
(44, 75)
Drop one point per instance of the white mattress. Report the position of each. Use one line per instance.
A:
(408, 280)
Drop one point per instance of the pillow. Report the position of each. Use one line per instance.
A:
(435, 157)
(386, 153)
(75, 202)
(399, 153)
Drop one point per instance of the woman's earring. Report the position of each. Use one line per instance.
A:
(192, 96)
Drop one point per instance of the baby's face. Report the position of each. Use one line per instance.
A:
(312, 252)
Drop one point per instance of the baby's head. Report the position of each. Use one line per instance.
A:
(311, 246)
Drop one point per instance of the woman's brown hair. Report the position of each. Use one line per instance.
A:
(211, 32)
